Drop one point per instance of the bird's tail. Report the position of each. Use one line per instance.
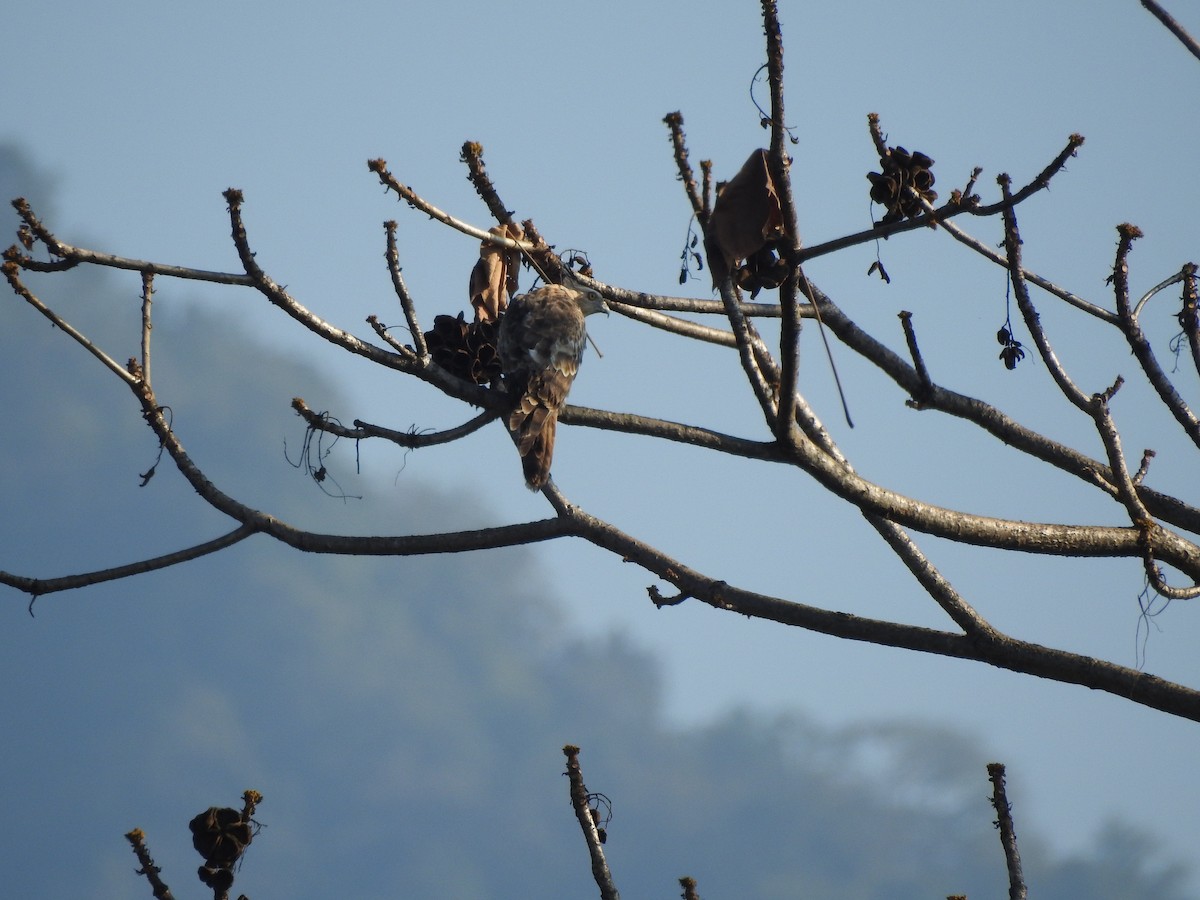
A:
(534, 429)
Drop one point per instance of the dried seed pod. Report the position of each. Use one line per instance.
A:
(465, 349)
(904, 185)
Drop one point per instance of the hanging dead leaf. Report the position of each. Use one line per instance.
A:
(494, 278)
(745, 218)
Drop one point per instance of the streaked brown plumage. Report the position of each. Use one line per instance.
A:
(542, 336)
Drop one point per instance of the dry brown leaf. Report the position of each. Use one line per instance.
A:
(745, 217)
(494, 277)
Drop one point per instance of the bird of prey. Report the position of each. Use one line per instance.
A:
(542, 336)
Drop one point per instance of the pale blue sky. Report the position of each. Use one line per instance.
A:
(145, 114)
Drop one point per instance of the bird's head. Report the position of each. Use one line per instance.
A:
(591, 302)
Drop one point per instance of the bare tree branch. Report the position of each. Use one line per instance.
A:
(412, 439)
(1138, 342)
(379, 167)
(587, 822)
(11, 270)
(674, 122)
(949, 210)
(39, 586)
(934, 397)
(406, 302)
(779, 163)
(1012, 246)
(1008, 836)
(78, 255)
(674, 325)
(1174, 27)
(1189, 313)
(137, 840)
(1032, 277)
(1004, 652)
(472, 155)
(147, 301)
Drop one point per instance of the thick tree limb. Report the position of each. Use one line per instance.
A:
(1002, 652)
(779, 163)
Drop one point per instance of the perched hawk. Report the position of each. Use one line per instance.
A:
(542, 336)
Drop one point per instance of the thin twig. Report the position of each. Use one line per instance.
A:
(1150, 294)
(674, 122)
(1012, 246)
(1144, 467)
(147, 300)
(11, 269)
(675, 325)
(472, 155)
(411, 439)
(875, 129)
(664, 303)
(80, 255)
(1008, 836)
(1040, 182)
(385, 334)
(677, 432)
(1174, 27)
(1045, 284)
(1138, 342)
(278, 296)
(910, 337)
(392, 254)
(1127, 490)
(137, 840)
(1189, 313)
(579, 801)
(754, 359)
(379, 167)
(41, 586)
